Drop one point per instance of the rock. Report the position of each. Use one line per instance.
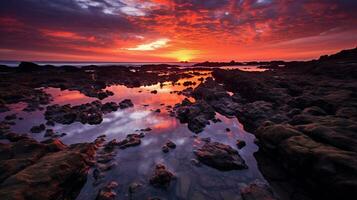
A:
(107, 192)
(220, 156)
(49, 133)
(314, 110)
(110, 107)
(165, 149)
(133, 187)
(257, 191)
(228, 129)
(272, 135)
(240, 144)
(50, 123)
(43, 175)
(195, 162)
(161, 177)
(38, 129)
(188, 83)
(126, 103)
(197, 114)
(10, 117)
(154, 92)
(129, 141)
(157, 110)
(170, 144)
(146, 129)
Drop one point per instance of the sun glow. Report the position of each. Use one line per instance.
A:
(183, 55)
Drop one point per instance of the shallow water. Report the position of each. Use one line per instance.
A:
(136, 164)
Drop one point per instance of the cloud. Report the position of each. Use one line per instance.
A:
(160, 43)
(112, 29)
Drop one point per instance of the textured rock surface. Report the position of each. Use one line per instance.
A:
(220, 156)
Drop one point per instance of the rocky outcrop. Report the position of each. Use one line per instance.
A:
(308, 127)
(220, 156)
(49, 170)
(196, 115)
(89, 113)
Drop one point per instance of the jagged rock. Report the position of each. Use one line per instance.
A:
(161, 177)
(220, 156)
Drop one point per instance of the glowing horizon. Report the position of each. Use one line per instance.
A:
(175, 30)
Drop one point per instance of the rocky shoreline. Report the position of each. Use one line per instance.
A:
(304, 117)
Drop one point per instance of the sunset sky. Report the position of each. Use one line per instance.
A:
(175, 30)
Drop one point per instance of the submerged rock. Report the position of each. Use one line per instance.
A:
(161, 177)
(107, 192)
(220, 156)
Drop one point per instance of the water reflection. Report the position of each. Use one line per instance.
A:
(136, 164)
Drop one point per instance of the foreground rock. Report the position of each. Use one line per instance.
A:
(47, 170)
(161, 177)
(220, 156)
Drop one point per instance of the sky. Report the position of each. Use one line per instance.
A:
(175, 30)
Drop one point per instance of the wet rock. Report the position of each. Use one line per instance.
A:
(126, 103)
(240, 144)
(103, 94)
(157, 110)
(170, 144)
(50, 123)
(165, 149)
(272, 135)
(107, 192)
(220, 156)
(134, 187)
(195, 162)
(257, 191)
(154, 92)
(89, 113)
(146, 129)
(110, 107)
(49, 133)
(207, 139)
(216, 120)
(161, 177)
(10, 117)
(228, 129)
(42, 174)
(314, 110)
(129, 141)
(188, 83)
(38, 129)
(197, 114)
